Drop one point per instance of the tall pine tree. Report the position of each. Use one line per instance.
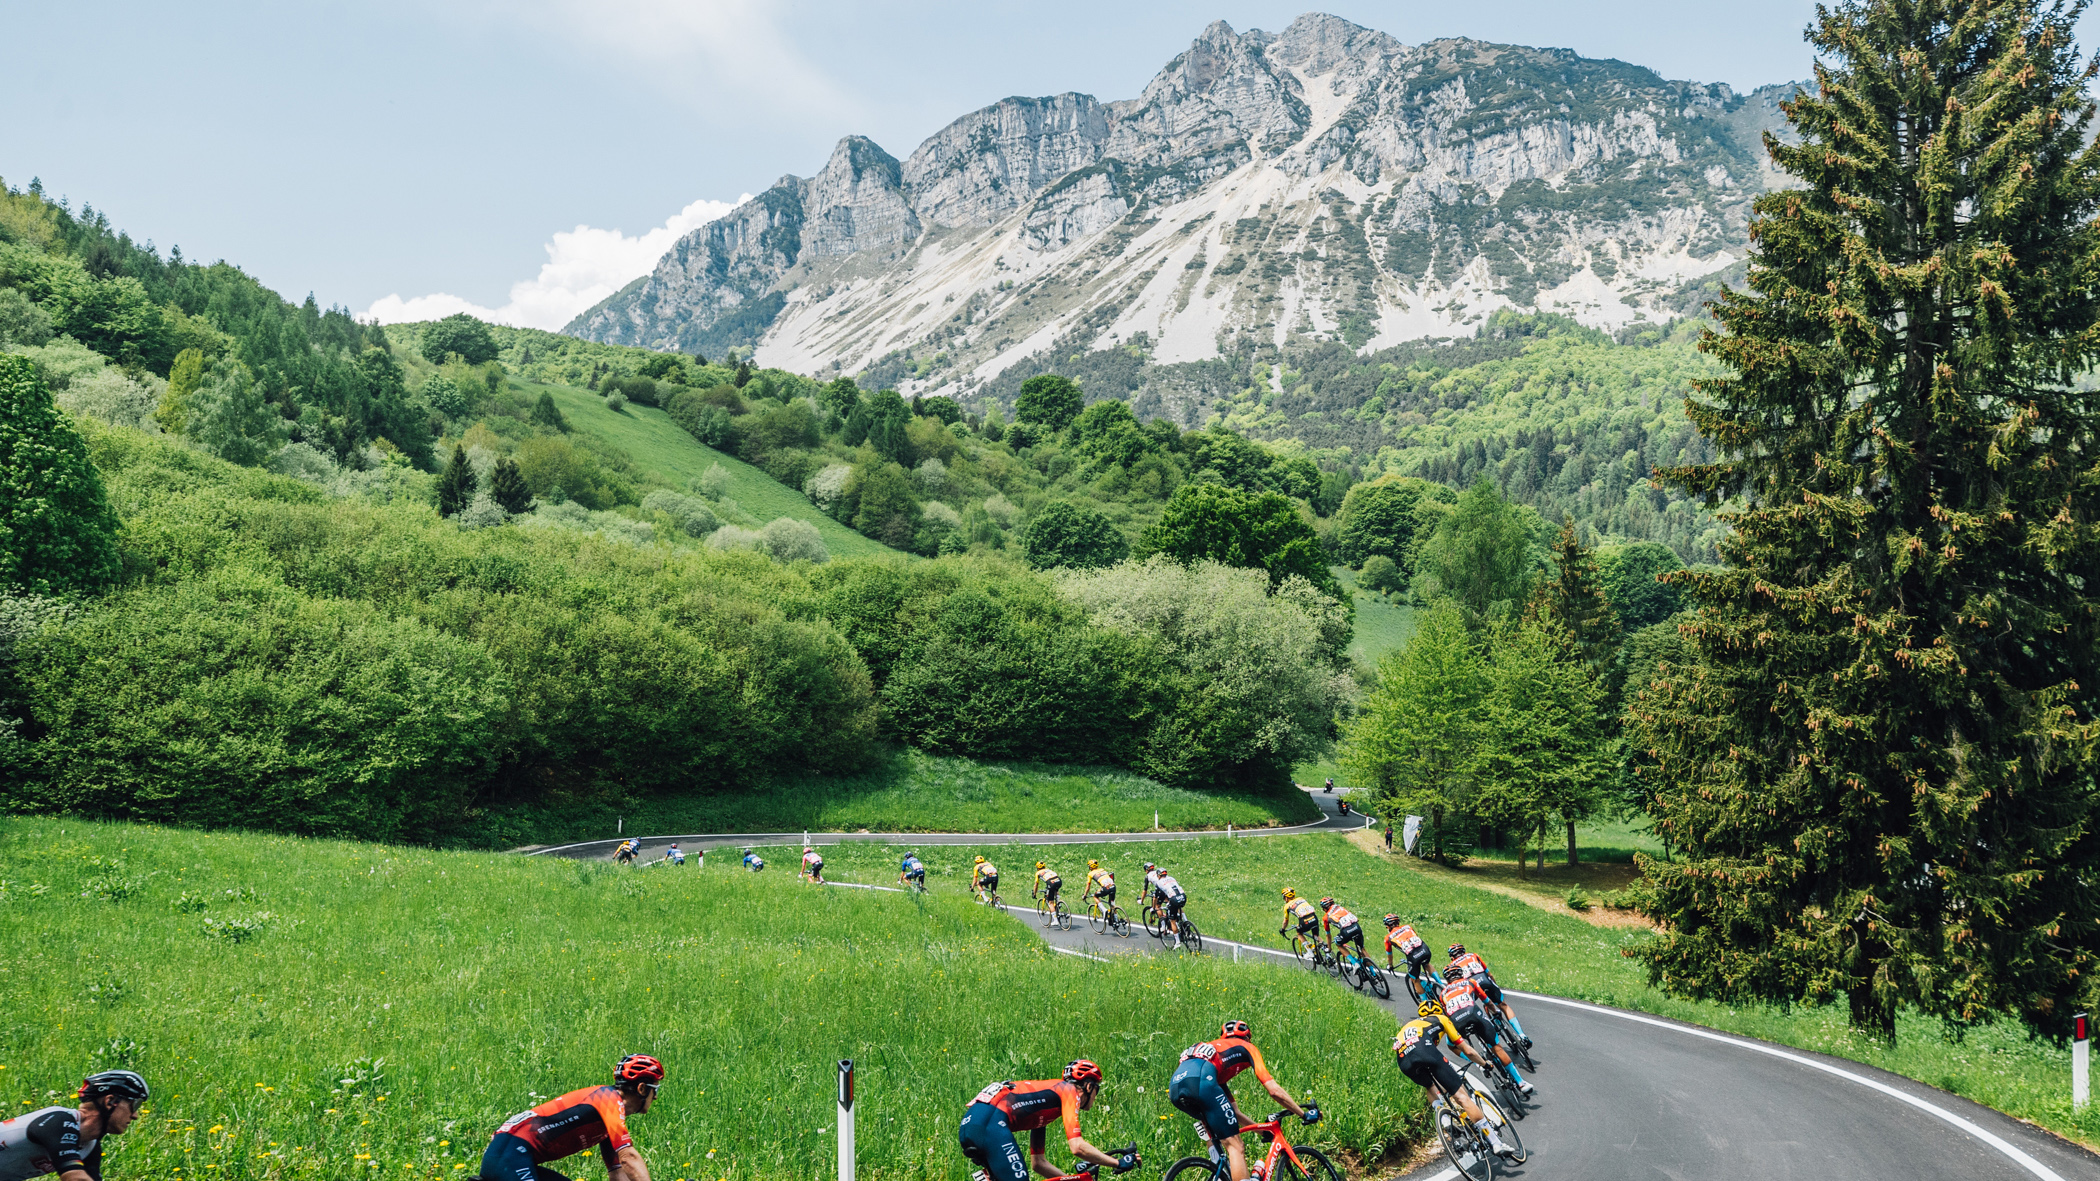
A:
(456, 486)
(1574, 599)
(1882, 779)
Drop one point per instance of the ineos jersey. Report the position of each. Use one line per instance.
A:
(1230, 1055)
(47, 1141)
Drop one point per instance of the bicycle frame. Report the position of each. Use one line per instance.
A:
(1279, 1146)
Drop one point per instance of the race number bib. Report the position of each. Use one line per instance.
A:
(990, 1093)
(1202, 1050)
(1457, 1000)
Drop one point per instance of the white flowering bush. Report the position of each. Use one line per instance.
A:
(825, 487)
(483, 513)
(1002, 511)
(692, 514)
(932, 474)
(730, 537)
(790, 540)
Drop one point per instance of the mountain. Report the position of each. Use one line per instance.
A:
(1265, 193)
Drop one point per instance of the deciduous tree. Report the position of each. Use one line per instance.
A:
(57, 532)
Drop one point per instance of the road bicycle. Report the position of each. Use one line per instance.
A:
(1466, 1143)
(1362, 974)
(1420, 987)
(1512, 1099)
(916, 885)
(1053, 913)
(1086, 1170)
(1107, 918)
(990, 898)
(1285, 1161)
(1191, 938)
(1315, 954)
(1517, 1048)
(1154, 921)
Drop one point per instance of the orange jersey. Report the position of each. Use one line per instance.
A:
(568, 1125)
(1460, 996)
(1404, 938)
(1338, 916)
(1230, 1055)
(1470, 964)
(1034, 1105)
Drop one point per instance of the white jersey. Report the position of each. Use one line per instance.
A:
(1152, 880)
(1169, 887)
(33, 1144)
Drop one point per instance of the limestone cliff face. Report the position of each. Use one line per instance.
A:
(1326, 181)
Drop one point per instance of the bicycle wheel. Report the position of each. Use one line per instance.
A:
(1095, 919)
(1353, 973)
(1316, 1165)
(1118, 924)
(1507, 1129)
(1196, 1168)
(1334, 964)
(1153, 925)
(1379, 984)
(1064, 917)
(1042, 912)
(1465, 1148)
(1191, 938)
(1414, 987)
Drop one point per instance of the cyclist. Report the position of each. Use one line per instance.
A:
(675, 855)
(67, 1141)
(812, 865)
(561, 1127)
(1100, 883)
(1341, 926)
(984, 879)
(1298, 910)
(1047, 883)
(1199, 1089)
(624, 855)
(753, 862)
(1002, 1109)
(1465, 1006)
(1416, 1051)
(1172, 898)
(911, 869)
(1402, 936)
(1330, 785)
(1474, 966)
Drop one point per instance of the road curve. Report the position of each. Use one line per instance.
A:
(1627, 1095)
(653, 847)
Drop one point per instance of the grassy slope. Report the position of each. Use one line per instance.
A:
(656, 444)
(1382, 625)
(1234, 894)
(482, 981)
(914, 792)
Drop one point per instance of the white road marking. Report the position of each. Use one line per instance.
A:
(1984, 1134)
(1082, 955)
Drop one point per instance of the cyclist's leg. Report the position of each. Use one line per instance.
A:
(1196, 1090)
(1494, 991)
(508, 1158)
(988, 1141)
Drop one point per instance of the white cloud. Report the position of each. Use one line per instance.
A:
(583, 266)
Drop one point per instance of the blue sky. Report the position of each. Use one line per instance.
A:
(517, 155)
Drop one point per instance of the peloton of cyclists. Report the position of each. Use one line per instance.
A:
(1002, 1109)
(1047, 884)
(812, 865)
(911, 870)
(984, 879)
(624, 855)
(1415, 1050)
(1199, 1088)
(1465, 1006)
(1476, 968)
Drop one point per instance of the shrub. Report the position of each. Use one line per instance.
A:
(56, 528)
(692, 515)
(616, 402)
(709, 423)
(1380, 574)
(826, 487)
(790, 540)
(1576, 899)
(462, 334)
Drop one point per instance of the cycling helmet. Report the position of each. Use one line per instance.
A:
(1083, 1072)
(1092, 864)
(1430, 1008)
(1392, 920)
(1289, 893)
(1149, 867)
(123, 1085)
(1234, 1028)
(1456, 950)
(1326, 902)
(1042, 865)
(639, 1068)
(1454, 972)
(809, 848)
(978, 860)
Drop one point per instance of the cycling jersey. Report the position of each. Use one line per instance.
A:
(1152, 881)
(1470, 964)
(1102, 880)
(1424, 1031)
(1169, 889)
(1230, 1055)
(1409, 943)
(812, 861)
(1048, 877)
(575, 1121)
(1300, 911)
(1461, 998)
(988, 872)
(1415, 1048)
(1033, 1106)
(1337, 917)
(912, 867)
(46, 1141)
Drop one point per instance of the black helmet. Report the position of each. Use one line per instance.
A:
(121, 1084)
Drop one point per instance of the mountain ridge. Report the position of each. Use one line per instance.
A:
(1264, 190)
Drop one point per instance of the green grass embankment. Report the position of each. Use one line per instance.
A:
(1382, 624)
(1234, 889)
(911, 792)
(455, 989)
(662, 447)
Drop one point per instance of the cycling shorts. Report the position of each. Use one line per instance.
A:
(1353, 933)
(1106, 894)
(1487, 985)
(988, 1142)
(1425, 1064)
(989, 881)
(1050, 890)
(1475, 1022)
(1310, 928)
(1196, 1090)
(509, 1158)
(916, 875)
(1174, 904)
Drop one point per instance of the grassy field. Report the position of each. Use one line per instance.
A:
(1382, 625)
(309, 1009)
(1234, 888)
(912, 792)
(658, 445)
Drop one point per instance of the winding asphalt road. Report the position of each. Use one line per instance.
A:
(1626, 1095)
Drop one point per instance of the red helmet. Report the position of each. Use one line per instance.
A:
(639, 1068)
(1326, 902)
(1234, 1029)
(1083, 1072)
(1392, 920)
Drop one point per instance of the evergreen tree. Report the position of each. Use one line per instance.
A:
(546, 413)
(455, 489)
(743, 374)
(1573, 600)
(57, 531)
(507, 487)
(232, 419)
(1882, 778)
